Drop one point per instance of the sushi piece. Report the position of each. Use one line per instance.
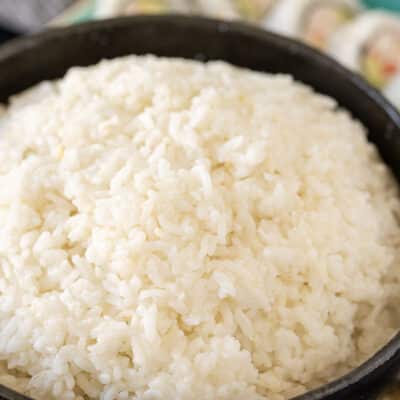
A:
(156, 6)
(371, 46)
(217, 8)
(313, 21)
(254, 10)
(126, 7)
(250, 10)
(392, 90)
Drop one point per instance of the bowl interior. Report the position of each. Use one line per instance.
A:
(27, 61)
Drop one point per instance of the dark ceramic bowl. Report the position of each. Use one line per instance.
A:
(27, 61)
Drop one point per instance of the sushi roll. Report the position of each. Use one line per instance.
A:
(250, 10)
(217, 8)
(126, 7)
(371, 46)
(392, 91)
(254, 10)
(313, 21)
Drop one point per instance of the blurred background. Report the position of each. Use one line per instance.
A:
(364, 35)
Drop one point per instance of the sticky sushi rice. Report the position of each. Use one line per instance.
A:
(313, 21)
(200, 232)
(374, 48)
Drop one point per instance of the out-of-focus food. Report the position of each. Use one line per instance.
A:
(371, 46)
(313, 21)
(255, 10)
(126, 7)
(392, 90)
(221, 9)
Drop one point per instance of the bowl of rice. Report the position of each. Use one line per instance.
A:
(193, 209)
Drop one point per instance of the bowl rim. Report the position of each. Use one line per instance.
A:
(391, 350)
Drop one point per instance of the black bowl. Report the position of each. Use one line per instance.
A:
(30, 60)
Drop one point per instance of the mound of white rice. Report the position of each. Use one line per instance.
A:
(171, 230)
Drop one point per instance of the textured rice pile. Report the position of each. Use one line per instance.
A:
(177, 230)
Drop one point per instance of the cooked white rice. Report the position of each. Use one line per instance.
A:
(178, 230)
